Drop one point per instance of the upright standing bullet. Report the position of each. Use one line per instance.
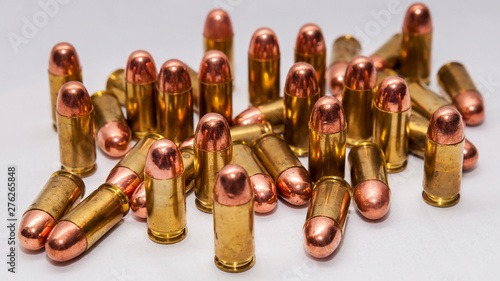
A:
(424, 100)
(326, 216)
(174, 106)
(271, 112)
(391, 122)
(75, 126)
(389, 55)
(292, 180)
(443, 158)
(301, 93)
(113, 134)
(233, 220)
(165, 193)
(344, 49)
(140, 93)
(327, 136)
(417, 44)
(61, 193)
(457, 83)
(357, 98)
(212, 150)
(215, 85)
(310, 47)
(116, 85)
(218, 35)
(64, 66)
(263, 67)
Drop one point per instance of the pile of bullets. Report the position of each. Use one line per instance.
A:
(380, 106)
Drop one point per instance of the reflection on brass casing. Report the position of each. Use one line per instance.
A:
(319, 64)
(223, 45)
(140, 105)
(55, 83)
(424, 100)
(416, 57)
(175, 115)
(367, 162)
(166, 205)
(297, 112)
(216, 98)
(99, 212)
(384, 73)
(326, 154)
(243, 156)
(194, 84)
(388, 55)
(273, 111)
(344, 48)
(418, 132)
(135, 159)
(263, 80)
(187, 155)
(358, 112)
(116, 85)
(249, 133)
(107, 108)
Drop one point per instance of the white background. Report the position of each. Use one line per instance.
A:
(414, 241)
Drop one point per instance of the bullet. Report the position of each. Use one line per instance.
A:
(174, 106)
(264, 189)
(263, 67)
(371, 191)
(384, 73)
(310, 47)
(291, 178)
(457, 83)
(75, 127)
(327, 137)
(416, 45)
(391, 122)
(141, 93)
(388, 56)
(344, 49)
(357, 98)
(61, 193)
(116, 85)
(218, 35)
(212, 150)
(113, 134)
(271, 112)
(443, 158)
(301, 93)
(165, 193)
(64, 66)
(249, 133)
(425, 101)
(138, 202)
(215, 85)
(233, 220)
(326, 216)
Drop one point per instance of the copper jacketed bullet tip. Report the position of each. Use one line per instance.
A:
(335, 75)
(214, 68)
(264, 45)
(372, 198)
(138, 202)
(471, 105)
(295, 185)
(393, 95)
(417, 20)
(34, 228)
(446, 126)
(327, 116)
(360, 74)
(114, 138)
(218, 25)
(250, 116)
(322, 236)
(73, 100)
(164, 160)
(310, 40)
(124, 178)
(470, 155)
(63, 60)
(187, 143)
(65, 242)
(265, 193)
(301, 81)
(174, 77)
(141, 68)
(232, 187)
(212, 133)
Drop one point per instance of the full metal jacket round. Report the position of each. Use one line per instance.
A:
(388, 56)
(218, 35)
(310, 47)
(271, 112)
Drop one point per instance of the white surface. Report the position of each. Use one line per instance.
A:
(415, 241)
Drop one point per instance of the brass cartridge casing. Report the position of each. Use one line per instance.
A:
(165, 193)
(292, 180)
(327, 137)
(233, 220)
(112, 132)
(249, 133)
(75, 126)
(64, 66)
(326, 216)
(62, 192)
(263, 67)
(301, 93)
(423, 100)
(371, 190)
(344, 48)
(310, 47)
(84, 225)
(141, 93)
(212, 150)
(391, 122)
(388, 55)
(416, 45)
(443, 158)
(457, 83)
(271, 112)
(218, 35)
(116, 85)
(174, 106)
(357, 99)
(194, 84)
(215, 85)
